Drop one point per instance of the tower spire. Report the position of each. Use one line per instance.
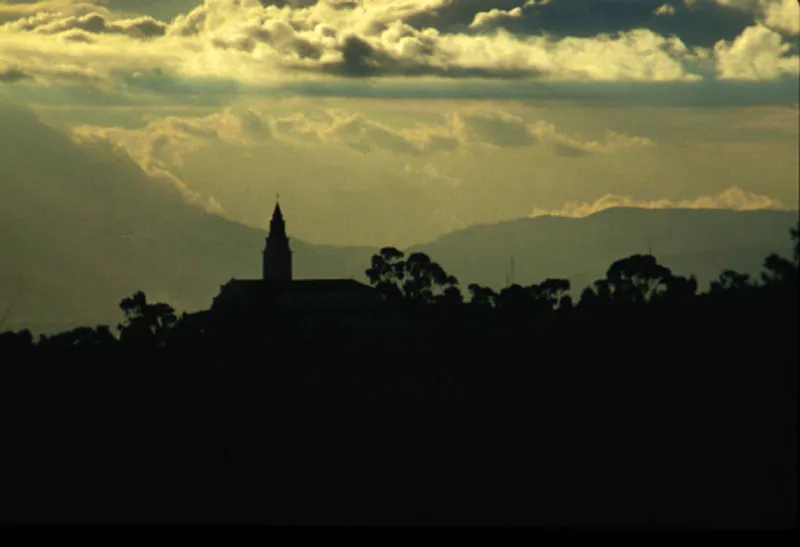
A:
(277, 258)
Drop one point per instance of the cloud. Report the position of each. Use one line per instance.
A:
(424, 156)
(696, 24)
(664, 9)
(164, 142)
(782, 15)
(10, 11)
(638, 56)
(428, 173)
(493, 17)
(758, 53)
(10, 74)
(356, 131)
(244, 43)
(48, 22)
(50, 73)
(495, 128)
(733, 198)
(567, 146)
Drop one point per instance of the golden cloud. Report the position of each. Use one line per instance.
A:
(733, 198)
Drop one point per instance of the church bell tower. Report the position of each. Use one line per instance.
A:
(277, 265)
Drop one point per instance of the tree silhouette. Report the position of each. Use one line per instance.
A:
(451, 297)
(781, 271)
(552, 293)
(482, 296)
(425, 280)
(145, 323)
(730, 280)
(417, 279)
(598, 296)
(386, 273)
(515, 296)
(79, 338)
(635, 280)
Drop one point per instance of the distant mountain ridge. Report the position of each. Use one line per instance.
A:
(699, 241)
(77, 237)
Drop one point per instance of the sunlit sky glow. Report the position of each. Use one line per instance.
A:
(395, 121)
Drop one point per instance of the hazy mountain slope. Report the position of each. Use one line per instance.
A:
(703, 242)
(82, 228)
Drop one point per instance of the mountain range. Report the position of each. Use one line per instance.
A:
(78, 235)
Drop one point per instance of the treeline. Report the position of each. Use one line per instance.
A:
(638, 282)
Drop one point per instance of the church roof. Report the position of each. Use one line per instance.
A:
(301, 285)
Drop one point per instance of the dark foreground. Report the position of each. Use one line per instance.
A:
(686, 417)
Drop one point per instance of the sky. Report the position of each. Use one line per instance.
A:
(392, 122)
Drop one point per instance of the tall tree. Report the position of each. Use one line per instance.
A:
(730, 280)
(782, 272)
(482, 296)
(637, 279)
(144, 322)
(515, 296)
(386, 273)
(425, 279)
(552, 293)
(417, 279)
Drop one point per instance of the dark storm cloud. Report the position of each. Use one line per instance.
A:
(702, 23)
(360, 59)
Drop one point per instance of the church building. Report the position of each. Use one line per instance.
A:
(277, 288)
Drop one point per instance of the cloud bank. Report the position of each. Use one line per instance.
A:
(732, 198)
(164, 142)
(261, 43)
